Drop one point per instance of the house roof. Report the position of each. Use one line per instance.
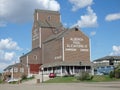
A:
(11, 66)
(29, 52)
(47, 11)
(108, 58)
(79, 63)
(55, 36)
(8, 67)
(49, 24)
(59, 35)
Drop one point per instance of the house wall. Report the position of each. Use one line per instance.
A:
(16, 72)
(76, 46)
(53, 51)
(33, 59)
(44, 15)
(39, 33)
(19, 73)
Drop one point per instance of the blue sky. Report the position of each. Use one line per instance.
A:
(98, 19)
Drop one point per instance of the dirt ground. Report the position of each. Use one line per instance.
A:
(63, 86)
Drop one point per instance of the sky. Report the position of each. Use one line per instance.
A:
(98, 19)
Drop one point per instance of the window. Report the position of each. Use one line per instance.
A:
(49, 18)
(111, 62)
(22, 70)
(35, 57)
(15, 69)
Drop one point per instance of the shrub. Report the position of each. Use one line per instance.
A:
(117, 73)
(111, 75)
(83, 76)
(24, 77)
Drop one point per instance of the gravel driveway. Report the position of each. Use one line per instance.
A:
(63, 86)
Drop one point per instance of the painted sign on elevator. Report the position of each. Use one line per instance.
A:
(76, 43)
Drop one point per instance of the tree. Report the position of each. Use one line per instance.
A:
(116, 72)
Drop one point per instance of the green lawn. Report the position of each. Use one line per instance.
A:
(61, 80)
(102, 78)
(0, 81)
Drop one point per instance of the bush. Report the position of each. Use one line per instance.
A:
(111, 75)
(117, 73)
(83, 76)
(24, 77)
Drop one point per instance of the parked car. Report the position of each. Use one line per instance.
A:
(52, 75)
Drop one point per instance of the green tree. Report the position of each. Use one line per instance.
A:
(116, 72)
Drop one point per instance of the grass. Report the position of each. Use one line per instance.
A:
(62, 80)
(103, 78)
(96, 78)
(27, 79)
(0, 81)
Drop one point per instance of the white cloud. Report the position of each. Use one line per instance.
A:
(6, 56)
(9, 55)
(49, 5)
(22, 10)
(111, 17)
(87, 20)
(8, 44)
(93, 33)
(77, 4)
(7, 49)
(116, 50)
(3, 66)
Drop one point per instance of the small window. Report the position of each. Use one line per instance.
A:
(76, 29)
(15, 69)
(35, 57)
(111, 62)
(22, 70)
(49, 18)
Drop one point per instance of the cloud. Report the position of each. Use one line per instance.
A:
(7, 56)
(78, 4)
(87, 20)
(116, 50)
(8, 44)
(22, 10)
(112, 17)
(7, 49)
(3, 66)
(93, 33)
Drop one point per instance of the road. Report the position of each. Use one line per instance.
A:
(63, 86)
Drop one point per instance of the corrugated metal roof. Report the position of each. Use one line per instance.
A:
(59, 35)
(55, 36)
(79, 63)
(48, 24)
(47, 11)
(30, 52)
(108, 58)
(11, 66)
